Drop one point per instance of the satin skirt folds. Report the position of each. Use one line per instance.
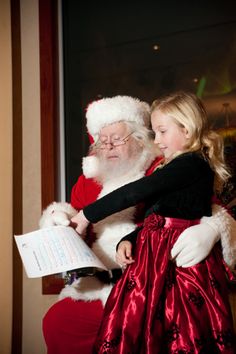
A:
(157, 307)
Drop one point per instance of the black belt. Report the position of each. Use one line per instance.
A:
(107, 277)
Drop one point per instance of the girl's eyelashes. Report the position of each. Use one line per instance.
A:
(160, 131)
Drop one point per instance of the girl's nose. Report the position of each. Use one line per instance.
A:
(156, 140)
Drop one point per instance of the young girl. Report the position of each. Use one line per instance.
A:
(157, 307)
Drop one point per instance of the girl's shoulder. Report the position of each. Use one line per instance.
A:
(191, 155)
(192, 159)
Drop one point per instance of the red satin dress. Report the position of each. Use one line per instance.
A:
(157, 307)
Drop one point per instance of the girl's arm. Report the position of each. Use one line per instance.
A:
(179, 173)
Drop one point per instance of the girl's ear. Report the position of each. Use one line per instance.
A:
(186, 133)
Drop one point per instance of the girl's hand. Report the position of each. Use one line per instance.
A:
(80, 223)
(124, 253)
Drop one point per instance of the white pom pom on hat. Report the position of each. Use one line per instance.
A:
(90, 166)
(115, 109)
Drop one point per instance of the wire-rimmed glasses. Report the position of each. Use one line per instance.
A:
(103, 145)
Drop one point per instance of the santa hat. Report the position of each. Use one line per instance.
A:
(115, 109)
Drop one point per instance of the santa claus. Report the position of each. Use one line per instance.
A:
(122, 152)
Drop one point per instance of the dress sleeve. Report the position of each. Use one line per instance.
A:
(184, 170)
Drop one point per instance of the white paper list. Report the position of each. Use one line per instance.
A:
(54, 250)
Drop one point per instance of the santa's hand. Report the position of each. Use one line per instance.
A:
(60, 218)
(124, 253)
(57, 214)
(80, 222)
(194, 245)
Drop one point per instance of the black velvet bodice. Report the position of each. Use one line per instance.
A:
(183, 188)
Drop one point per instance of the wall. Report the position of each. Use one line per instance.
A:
(34, 303)
(5, 177)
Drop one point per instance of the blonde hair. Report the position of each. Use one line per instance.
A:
(188, 111)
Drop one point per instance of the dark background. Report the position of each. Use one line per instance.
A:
(109, 50)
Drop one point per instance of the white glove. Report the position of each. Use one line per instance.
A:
(57, 214)
(194, 245)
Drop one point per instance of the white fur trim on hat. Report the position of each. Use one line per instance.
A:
(115, 109)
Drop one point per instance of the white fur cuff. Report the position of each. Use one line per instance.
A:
(62, 210)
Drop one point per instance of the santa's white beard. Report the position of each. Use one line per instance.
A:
(109, 170)
(112, 169)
